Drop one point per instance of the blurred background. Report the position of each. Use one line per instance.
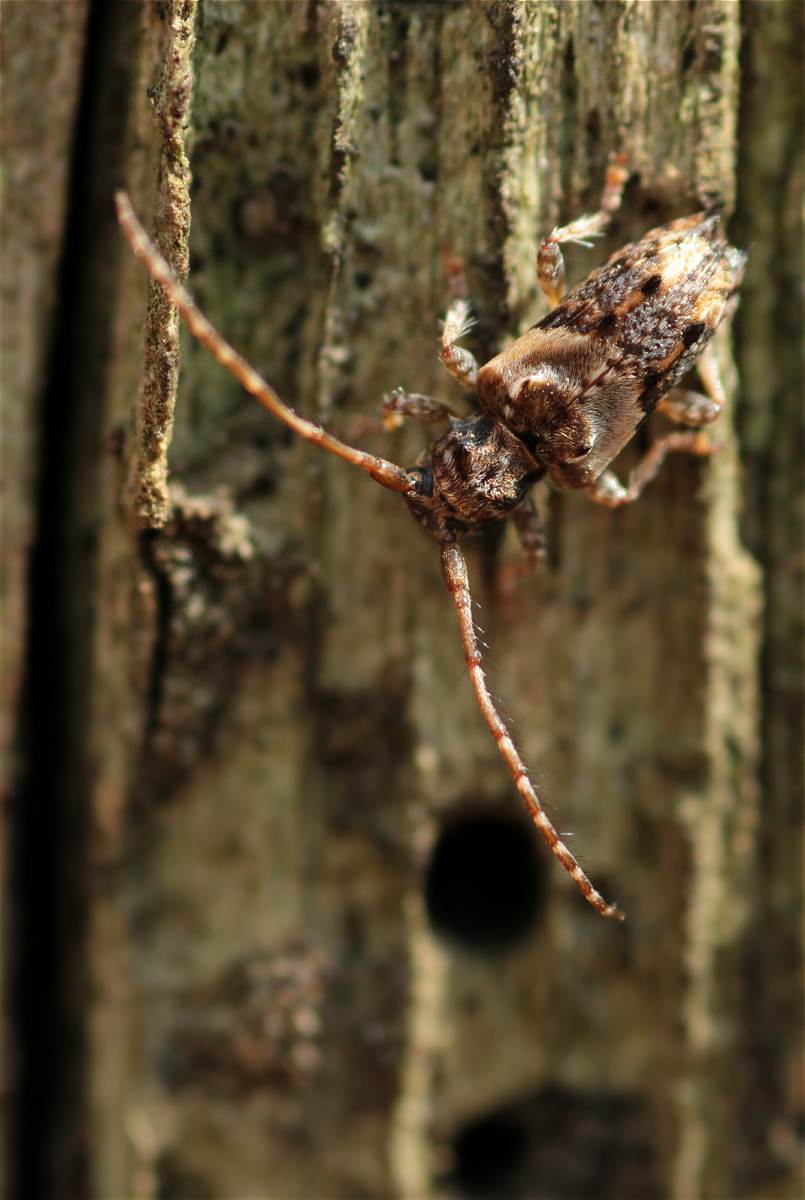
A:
(275, 922)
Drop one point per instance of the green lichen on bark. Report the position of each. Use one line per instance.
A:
(171, 99)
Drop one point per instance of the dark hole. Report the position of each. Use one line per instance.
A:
(483, 883)
(310, 75)
(487, 1156)
(559, 1145)
(651, 285)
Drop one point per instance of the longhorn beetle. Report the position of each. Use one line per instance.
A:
(558, 404)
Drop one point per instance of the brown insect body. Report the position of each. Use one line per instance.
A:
(558, 404)
(568, 395)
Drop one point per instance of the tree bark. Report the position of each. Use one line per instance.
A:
(303, 940)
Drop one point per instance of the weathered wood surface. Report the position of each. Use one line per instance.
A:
(279, 725)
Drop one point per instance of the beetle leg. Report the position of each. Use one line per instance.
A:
(550, 264)
(608, 489)
(530, 531)
(709, 372)
(689, 408)
(461, 364)
(692, 408)
(400, 405)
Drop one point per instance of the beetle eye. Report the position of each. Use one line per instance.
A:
(530, 439)
(581, 451)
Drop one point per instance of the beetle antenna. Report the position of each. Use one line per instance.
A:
(454, 571)
(388, 474)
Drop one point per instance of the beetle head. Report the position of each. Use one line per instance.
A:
(481, 468)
